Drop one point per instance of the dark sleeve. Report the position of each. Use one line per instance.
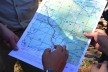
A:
(102, 41)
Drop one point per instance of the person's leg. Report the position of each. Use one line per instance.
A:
(2, 67)
(7, 62)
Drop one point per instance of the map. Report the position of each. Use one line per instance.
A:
(60, 22)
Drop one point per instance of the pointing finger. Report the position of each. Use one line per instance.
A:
(58, 47)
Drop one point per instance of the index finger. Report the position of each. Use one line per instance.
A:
(64, 48)
(58, 47)
(89, 35)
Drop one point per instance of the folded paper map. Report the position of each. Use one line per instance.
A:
(60, 22)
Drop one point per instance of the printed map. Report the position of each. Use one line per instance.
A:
(60, 22)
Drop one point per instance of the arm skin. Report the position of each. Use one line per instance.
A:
(99, 40)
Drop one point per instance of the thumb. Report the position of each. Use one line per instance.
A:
(104, 66)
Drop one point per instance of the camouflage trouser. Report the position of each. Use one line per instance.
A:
(7, 62)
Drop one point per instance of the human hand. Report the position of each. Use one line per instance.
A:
(95, 35)
(55, 60)
(99, 41)
(8, 37)
(102, 67)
